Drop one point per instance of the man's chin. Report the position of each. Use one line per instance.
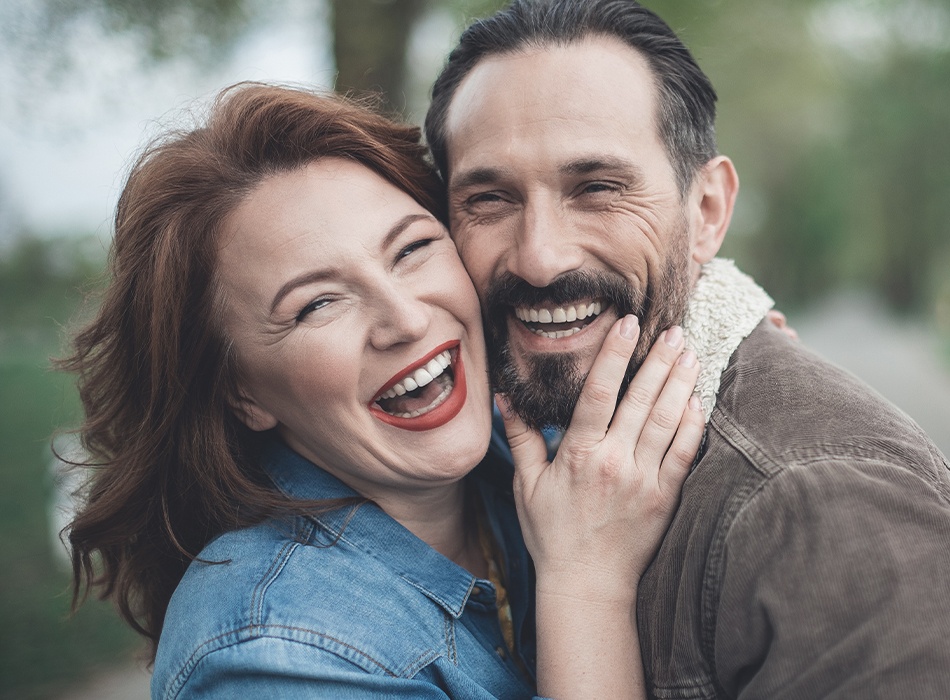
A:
(542, 388)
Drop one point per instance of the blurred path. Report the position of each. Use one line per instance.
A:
(130, 683)
(900, 359)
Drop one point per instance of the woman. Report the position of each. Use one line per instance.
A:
(286, 401)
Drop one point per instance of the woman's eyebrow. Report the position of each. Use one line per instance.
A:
(305, 278)
(401, 225)
(319, 275)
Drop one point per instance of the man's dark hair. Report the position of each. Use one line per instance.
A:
(687, 101)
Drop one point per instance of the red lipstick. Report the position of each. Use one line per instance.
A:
(445, 411)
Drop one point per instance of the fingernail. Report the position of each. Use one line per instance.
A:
(695, 403)
(628, 327)
(673, 336)
(502, 402)
(687, 359)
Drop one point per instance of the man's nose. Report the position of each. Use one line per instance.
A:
(546, 246)
(400, 315)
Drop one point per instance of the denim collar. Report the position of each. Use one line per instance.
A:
(369, 529)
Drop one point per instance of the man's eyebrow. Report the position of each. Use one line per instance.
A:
(596, 164)
(319, 275)
(475, 177)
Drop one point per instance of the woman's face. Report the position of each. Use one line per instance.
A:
(356, 329)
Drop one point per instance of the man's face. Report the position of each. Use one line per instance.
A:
(566, 212)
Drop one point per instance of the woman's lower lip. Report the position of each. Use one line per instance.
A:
(438, 416)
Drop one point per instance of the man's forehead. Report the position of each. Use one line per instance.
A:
(587, 91)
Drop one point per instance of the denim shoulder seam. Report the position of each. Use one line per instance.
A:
(273, 571)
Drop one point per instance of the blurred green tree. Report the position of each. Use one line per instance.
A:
(370, 37)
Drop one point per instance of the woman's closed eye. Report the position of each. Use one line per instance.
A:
(315, 305)
(413, 247)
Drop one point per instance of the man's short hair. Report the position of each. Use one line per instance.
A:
(687, 101)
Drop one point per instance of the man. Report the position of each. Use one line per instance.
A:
(810, 555)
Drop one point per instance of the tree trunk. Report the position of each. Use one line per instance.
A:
(371, 38)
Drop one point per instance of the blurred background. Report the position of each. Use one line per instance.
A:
(836, 113)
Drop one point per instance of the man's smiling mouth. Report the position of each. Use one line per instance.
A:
(559, 321)
(425, 395)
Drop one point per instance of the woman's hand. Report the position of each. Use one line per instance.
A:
(594, 517)
(602, 506)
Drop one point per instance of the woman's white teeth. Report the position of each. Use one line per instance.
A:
(561, 314)
(420, 377)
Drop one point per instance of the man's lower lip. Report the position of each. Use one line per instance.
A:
(440, 415)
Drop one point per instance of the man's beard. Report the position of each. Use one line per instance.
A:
(548, 393)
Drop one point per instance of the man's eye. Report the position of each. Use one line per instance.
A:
(597, 187)
(314, 305)
(485, 198)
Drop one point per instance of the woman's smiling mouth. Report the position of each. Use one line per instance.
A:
(425, 395)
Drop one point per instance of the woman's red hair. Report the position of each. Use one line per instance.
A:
(171, 465)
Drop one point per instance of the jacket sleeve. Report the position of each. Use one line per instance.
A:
(836, 584)
(276, 667)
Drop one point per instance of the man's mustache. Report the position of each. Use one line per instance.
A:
(508, 290)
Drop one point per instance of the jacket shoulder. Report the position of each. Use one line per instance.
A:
(287, 580)
(782, 405)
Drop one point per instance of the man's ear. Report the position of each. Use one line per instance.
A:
(251, 413)
(714, 197)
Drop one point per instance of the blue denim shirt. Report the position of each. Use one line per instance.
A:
(348, 604)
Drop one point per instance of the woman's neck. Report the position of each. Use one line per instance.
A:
(445, 520)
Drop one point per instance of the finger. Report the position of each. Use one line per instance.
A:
(777, 318)
(682, 453)
(598, 399)
(667, 412)
(528, 449)
(779, 321)
(634, 409)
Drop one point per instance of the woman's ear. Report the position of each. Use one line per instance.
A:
(714, 194)
(251, 413)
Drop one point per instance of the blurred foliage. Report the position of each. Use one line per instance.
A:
(42, 281)
(42, 649)
(835, 112)
(370, 37)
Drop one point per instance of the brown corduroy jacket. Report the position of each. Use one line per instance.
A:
(810, 554)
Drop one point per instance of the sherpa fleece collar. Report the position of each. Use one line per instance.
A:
(725, 306)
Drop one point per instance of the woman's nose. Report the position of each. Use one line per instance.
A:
(402, 316)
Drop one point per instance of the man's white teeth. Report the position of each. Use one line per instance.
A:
(421, 376)
(561, 314)
(555, 334)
